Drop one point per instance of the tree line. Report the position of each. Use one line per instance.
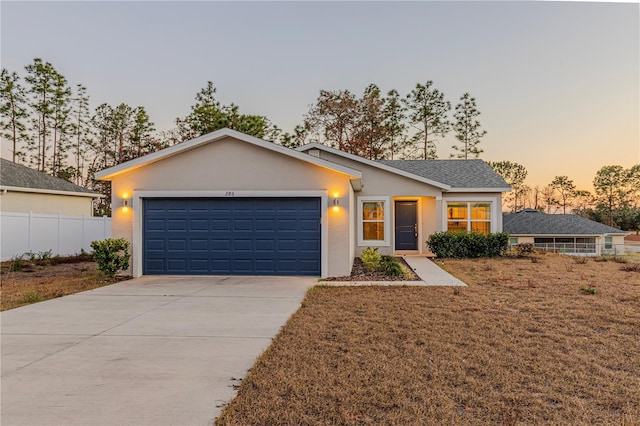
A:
(49, 126)
(615, 201)
(378, 126)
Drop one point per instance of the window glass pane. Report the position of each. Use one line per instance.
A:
(513, 240)
(480, 211)
(608, 242)
(564, 240)
(457, 211)
(481, 227)
(543, 240)
(373, 231)
(457, 226)
(373, 210)
(586, 240)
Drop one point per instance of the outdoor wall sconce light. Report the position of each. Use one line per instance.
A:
(125, 203)
(335, 202)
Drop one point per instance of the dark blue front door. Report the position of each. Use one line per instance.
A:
(406, 225)
(235, 236)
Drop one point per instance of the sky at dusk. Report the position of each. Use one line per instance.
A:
(557, 84)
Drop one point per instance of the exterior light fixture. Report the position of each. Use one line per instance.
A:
(125, 203)
(335, 203)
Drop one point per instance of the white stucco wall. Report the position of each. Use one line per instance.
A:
(381, 183)
(229, 165)
(24, 202)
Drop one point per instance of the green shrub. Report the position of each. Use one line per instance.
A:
(391, 266)
(371, 258)
(460, 245)
(112, 255)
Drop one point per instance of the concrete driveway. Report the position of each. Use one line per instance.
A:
(149, 351)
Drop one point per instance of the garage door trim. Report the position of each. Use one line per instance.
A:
(138, 215)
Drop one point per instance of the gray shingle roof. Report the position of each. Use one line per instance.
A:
(17, 175)
(534, 222)
(456, 173)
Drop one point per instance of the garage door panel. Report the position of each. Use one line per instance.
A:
(177, 225)
(199, 265)
(265, 245)
(199, 225)
(264, 236)
(199, 245)
(155, 244)
(179, 245)
(155, 225)
(176, 265)
(242, 246)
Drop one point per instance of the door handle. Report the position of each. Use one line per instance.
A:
(415, 229)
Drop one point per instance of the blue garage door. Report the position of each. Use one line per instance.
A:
(235, 236)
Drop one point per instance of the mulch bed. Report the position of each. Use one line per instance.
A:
(359, 272)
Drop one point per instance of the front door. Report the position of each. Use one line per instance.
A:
(406, 225)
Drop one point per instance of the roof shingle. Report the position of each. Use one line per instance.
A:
(456, 173)
(17, 175)
(534, 222)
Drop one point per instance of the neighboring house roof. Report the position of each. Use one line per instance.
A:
(448, 175)
(107, 174)
(534, 222)
(19, 178)
(461, 175)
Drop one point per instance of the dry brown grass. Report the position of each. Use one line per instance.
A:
(36, 283)
(521, 345)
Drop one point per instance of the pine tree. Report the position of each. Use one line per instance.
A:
(427, 111)
(394, 122)
(40, 77)
(81, 132)
(13, 113)
(468, 129)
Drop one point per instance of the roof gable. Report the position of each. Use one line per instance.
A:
(212, 137)
(17, 177)
(448, 175)
(376, 164)
(534, 222)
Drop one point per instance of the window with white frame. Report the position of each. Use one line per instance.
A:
(608, 242)
(469, 217)
(373, 221)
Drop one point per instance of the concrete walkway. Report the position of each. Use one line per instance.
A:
(149, 351)
(431, 273)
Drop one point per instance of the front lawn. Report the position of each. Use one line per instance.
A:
(525, 343)
(36, 281)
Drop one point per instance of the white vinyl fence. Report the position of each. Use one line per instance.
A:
(64, 235)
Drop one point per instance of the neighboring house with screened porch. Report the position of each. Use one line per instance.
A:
(563, 233)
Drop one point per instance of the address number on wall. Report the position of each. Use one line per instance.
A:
(230, 194)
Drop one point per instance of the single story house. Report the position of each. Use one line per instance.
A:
(564, 233)
(24, 190)
(229, 203)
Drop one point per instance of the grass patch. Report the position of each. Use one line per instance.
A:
(37, 281)
(508, 349)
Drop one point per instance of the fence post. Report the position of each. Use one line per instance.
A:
(82, 233)
(29, 230)
(59, 233)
